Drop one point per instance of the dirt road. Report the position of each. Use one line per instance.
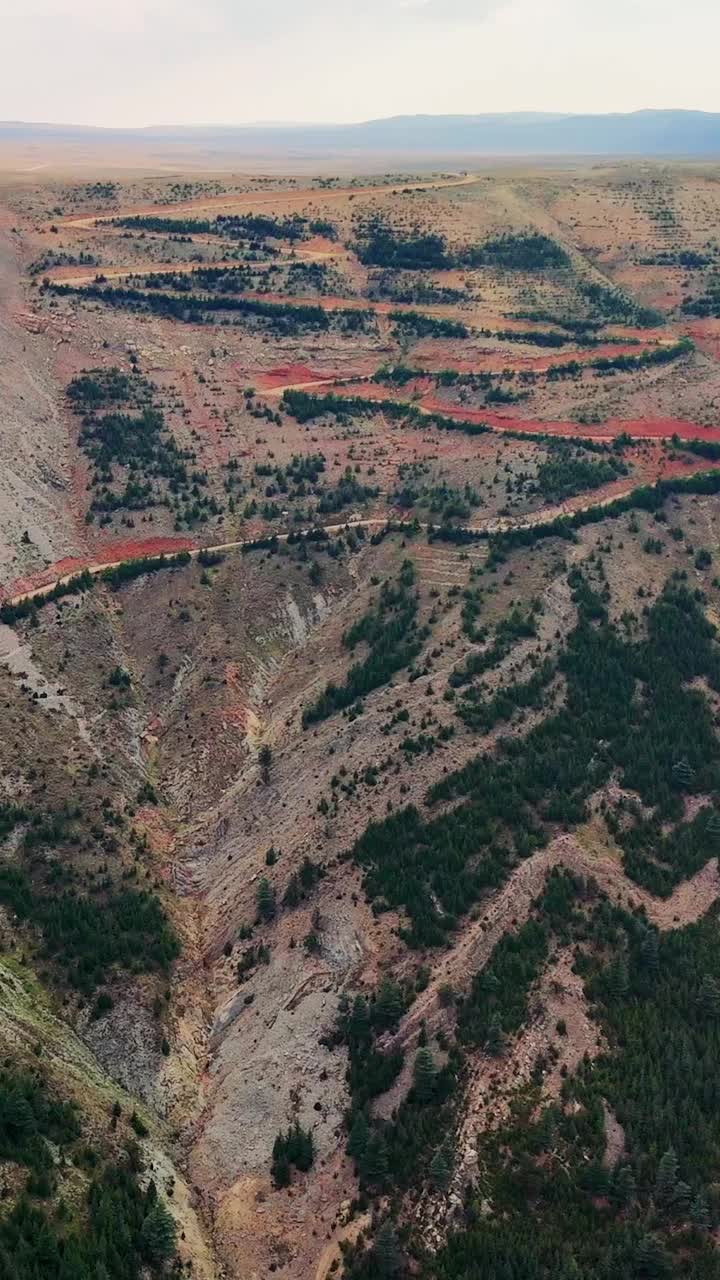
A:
(253, 200)
(499, 524)
(71, 276)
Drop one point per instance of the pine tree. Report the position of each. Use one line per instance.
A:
(713, 825)
(700, 1210)
(709, 997)
(265, 760)
(266, 899)
(359, 1137)
(440, 1170)
(300, 1147)
(495, 1040)
(617, 978)
(291, 898)
(652, 1259)
(487, 983)
(624, 1187)
(280, 1171)
(296, 1147)
(374, 1166)
(681, 1198)
(387, 1250)
(18, 1115)
(309, 873)
(667, 1177)
(158, 1234)
(683, 772)
(389, 1004)
(649, 952)
(359, 1019)
(424, 1075)
(595, 1179)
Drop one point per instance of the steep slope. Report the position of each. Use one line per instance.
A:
(37, 523)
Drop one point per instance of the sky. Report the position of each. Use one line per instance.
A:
(143, 62)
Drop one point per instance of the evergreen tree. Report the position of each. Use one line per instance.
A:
(300, 1147)
(292, 895)
(683, 773)
(713, 826)
(487, 982)
(359, 1019)
(265, 760)
(617, 978)
(280, 1170)
(649, 952)
(158, 1234)
(652, 1258)
(709, 997)
(309, 873)
(700, 1210)
(374, 1166)
(424, 1075)
(596, 1180)
(359, 1137)
(296, 1147)
(681, 1198)
(495, 1040)
(387, 1250)
(667, 1178)
(389, 1004)
(17, 1115)
(266, 899)
(440, 1170)
(624, 1187)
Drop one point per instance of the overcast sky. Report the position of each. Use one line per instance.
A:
(137, 62)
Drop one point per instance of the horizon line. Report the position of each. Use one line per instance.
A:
(527, 115)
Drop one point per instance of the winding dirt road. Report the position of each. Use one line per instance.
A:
(499, 524)
(254, 200)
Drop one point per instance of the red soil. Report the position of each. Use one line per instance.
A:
(494, 360)
(640, 428)
(120, 549)
(706, 336)
(287, 375)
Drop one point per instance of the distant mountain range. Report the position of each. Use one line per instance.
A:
(638, 133)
